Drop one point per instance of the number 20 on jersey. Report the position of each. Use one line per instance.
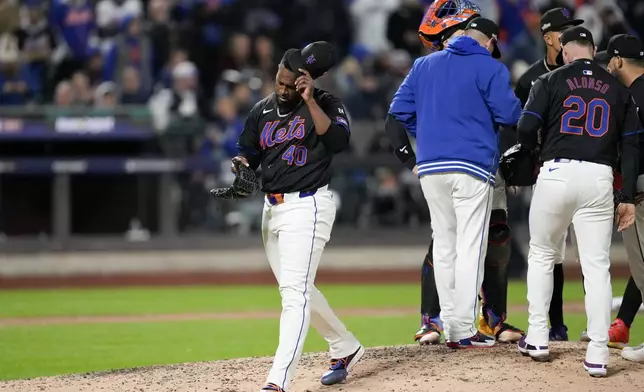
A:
(595, 116)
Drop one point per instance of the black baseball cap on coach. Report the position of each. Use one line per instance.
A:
(317, 58)
(576, 33)
(622, 45)
(558, 19)
(489, 28)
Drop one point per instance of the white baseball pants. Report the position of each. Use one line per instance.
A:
(634, 242)
(295, 233)
(460, 207)
(580, 193)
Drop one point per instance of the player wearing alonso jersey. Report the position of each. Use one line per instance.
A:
(586, 117)
(293, 135)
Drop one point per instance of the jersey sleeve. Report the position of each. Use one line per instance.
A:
(536, 109)
(630, 150)
(248, 143)
(338, 135)
(403, 104)
(522, 90)
(500, 98)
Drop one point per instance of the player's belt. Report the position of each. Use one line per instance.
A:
(566, 160)
(278, 198)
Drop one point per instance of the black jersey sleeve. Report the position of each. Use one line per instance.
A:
(630, 150)
(248, 142)
(399, 140)
(522, 90)
(337, 136)
(536, 109)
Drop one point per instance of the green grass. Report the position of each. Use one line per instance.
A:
(203, 299)
(41, 351)
(29, 351)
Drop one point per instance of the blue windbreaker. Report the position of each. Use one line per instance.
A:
(453, 102)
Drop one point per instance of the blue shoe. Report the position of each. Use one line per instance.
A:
(339, 368)
(558, 334)
(477, 341)
(537, 353)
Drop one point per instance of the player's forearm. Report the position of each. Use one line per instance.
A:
(527, 130)
(399, 140)
(320, 119)
(630, 166)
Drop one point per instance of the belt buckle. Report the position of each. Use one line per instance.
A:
(275, 198)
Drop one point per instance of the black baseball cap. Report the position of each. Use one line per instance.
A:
(576, 33)
(317, 58)
(558, 19)
(622, 45)
(489, 28)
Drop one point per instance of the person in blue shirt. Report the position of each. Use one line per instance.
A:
(453, 102)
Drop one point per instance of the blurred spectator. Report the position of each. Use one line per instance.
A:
(111, 13)
(165, 76)
(230, 125)
(184, 100)
(83, 93)
(105, 96)
(35, 40)
(17, 85)
(160, 33)
(267, 59)
(97, 69)
(613, 24)
(132, 48)
(9, 16)
(402, 27)
(238, 55)
(370, 21)
(132, 91)
(74, 21)
(317, 20)
(64, 95)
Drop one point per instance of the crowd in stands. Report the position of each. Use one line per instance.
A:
(211, 60)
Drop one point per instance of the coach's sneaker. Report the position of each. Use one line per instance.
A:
(618, 334)
(595, 369)
(537, 353)
(635, 354)
(477, 341)
(272, 387)
(558, 334)
(430, 332)
(339, 368)
(492, 325)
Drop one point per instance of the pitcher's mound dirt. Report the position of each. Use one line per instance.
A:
(404, 369)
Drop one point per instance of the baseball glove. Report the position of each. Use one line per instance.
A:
(244, 185)
(519, 166)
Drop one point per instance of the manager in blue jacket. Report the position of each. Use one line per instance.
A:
(453, 103)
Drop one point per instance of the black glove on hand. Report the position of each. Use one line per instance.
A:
(245, 183)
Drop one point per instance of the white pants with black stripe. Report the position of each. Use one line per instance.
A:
(460, 207)
(295, 233)
(634, 242)
(581, 193)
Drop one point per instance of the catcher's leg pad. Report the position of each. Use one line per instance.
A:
(498, 248)
(429, 303)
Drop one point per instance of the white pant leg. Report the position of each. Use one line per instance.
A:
(551, 211)
(437, 192)
(473, 206)
(460, 207)
(594, 228)
(303, 227)
(634, 242)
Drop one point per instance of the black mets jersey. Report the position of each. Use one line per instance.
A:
(585, 114)
(293, 157)
(525, 82)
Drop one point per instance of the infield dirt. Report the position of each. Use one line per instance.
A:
(404, 369)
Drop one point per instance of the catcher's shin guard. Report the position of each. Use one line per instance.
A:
(429, 304)
(495, 282)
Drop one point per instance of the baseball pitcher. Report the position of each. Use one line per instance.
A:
(293, 134)
(625, 57)
(585, 115)
(457, 155)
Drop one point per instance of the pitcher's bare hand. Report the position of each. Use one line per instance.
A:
(625, 216)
